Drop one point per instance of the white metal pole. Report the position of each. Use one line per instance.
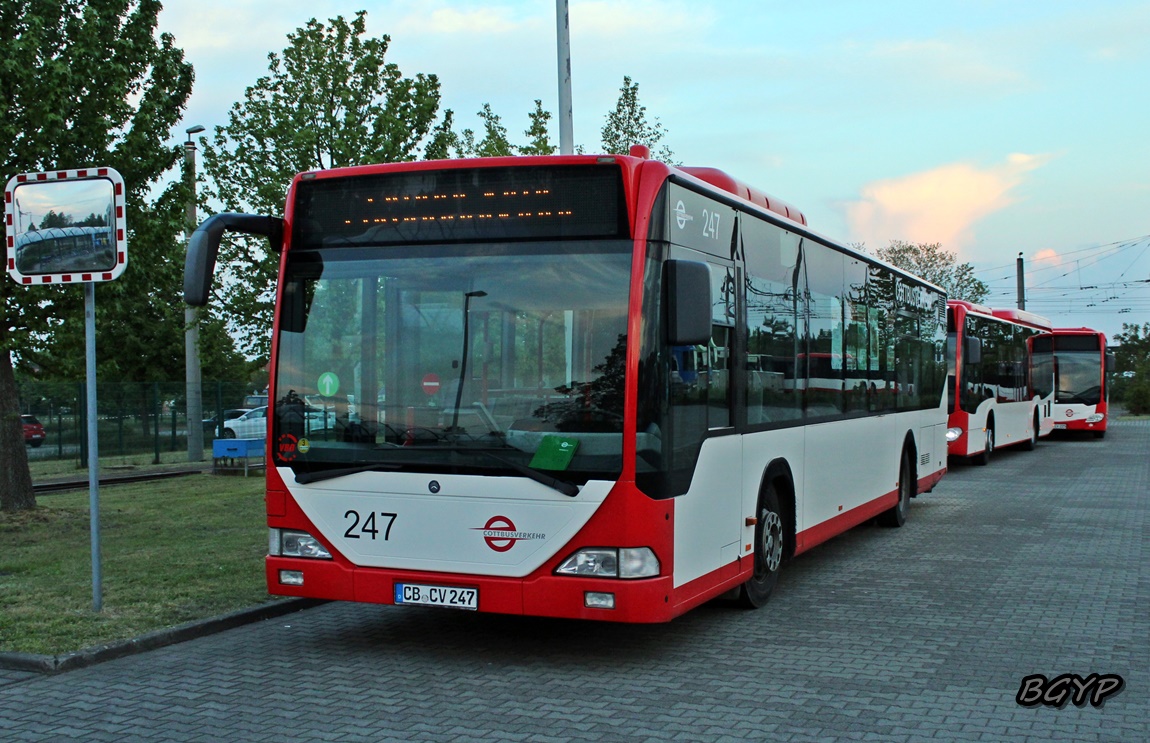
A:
(563, 44)
(93, 443)
(192, 376)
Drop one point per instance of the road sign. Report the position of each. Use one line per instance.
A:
(327, 384)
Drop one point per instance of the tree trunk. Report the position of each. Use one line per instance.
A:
(16, 492)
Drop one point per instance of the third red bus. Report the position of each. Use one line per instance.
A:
(1081, 390)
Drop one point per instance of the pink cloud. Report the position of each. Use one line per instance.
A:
(939, 205)
(1047, 256)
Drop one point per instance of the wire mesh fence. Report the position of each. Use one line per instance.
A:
(132, 417)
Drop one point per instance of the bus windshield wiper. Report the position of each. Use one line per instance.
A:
(304, 478)
(566, 488)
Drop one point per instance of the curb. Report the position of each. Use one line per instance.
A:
(51, 664)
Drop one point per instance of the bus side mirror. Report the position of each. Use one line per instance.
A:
(687, 298)
(1111, 363)
(972, 350)
(204, 245)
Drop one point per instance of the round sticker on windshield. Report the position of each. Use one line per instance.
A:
(304, 446)
(327, 384)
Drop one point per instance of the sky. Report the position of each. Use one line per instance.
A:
(994, 128)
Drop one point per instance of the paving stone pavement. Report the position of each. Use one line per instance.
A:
(1036, 564)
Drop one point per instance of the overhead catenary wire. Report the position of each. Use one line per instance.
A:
(1074, 285)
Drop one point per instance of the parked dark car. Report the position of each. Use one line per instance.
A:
(33, 431)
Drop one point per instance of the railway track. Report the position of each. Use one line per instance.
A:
(64, 486)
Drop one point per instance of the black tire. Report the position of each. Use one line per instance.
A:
(1032, 443)
(229, 433)
(769, 535)
(983, 458)
(895, 516)
(1097, 435)
(36, 444)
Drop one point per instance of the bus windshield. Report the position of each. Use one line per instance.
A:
(454, 359)
(1079, 371)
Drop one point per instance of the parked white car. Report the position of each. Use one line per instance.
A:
(251, 425)
(254, 423)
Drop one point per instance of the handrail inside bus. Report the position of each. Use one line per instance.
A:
(204, 245)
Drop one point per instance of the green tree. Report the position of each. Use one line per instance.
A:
(1133, 348)
(1132, 354)
(93, 220)
(538, 141)
(627, 125)
(929, 261)
(330, 100)
(52, 219)
(494, 142)
(140, 316)
(465, 143)
(1137, 394)
(85, 83)
(443, 139)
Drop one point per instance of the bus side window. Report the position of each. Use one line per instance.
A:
(856, 340)
(719, 349)
(771, 388)
(824, 269)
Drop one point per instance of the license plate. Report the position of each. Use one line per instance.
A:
(419, 594)
(1060, 426)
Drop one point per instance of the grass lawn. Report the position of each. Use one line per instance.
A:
(173, 551)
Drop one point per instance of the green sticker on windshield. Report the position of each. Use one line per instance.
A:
(554, 453)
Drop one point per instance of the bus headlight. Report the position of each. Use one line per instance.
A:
(609, 562)
(286, 543)
(952, 434)
(638, 562)
(1095, 417)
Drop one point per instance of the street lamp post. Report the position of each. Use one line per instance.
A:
(563, 55)
(463, 362)
(194, 392)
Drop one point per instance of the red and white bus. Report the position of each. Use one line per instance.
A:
(1000, 391)
(1081, 385)
(555, 410)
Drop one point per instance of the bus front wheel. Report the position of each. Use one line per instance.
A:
(983, 458)
(768, 551)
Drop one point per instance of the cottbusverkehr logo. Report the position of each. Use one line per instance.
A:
(500, 534)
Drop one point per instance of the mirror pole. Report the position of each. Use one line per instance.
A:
(93, 445)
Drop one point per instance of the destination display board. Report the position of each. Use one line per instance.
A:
(459, 205)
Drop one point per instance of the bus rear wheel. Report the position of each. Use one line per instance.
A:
(768, 551)
(1032, 443)
(896, 515)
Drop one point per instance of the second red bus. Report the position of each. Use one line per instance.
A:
(1000, 392)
